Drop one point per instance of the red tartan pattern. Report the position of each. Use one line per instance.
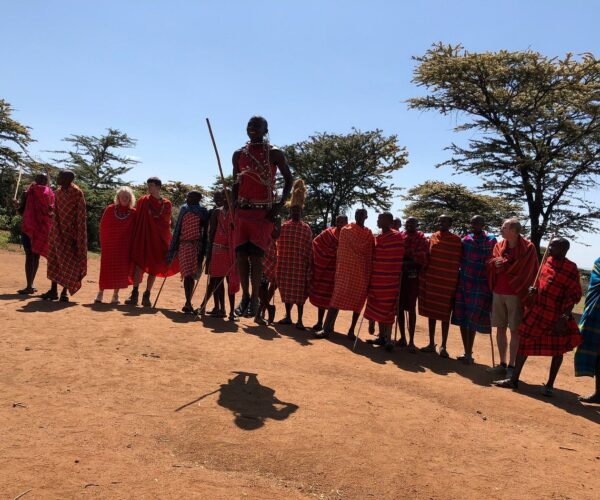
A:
(324, 250)
(269, 263)
(416, 255)
(353, 268)
(385, 278)
(115, 242)
(416, 247)
(189, 241)
(67, 242)
(294, 256)
(559, 289)
(222, 257)
(439, 279)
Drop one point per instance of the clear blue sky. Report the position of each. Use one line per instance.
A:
(156, 69)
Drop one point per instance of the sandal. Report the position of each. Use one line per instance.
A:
(594, 398)
(444, 353)
(27, 291)
(300, 326)
(547, 391)
(285, 321)
(429, 348)
(506, 383)
(49, 295)
(64, 297)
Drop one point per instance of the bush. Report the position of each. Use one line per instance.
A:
(15, 229)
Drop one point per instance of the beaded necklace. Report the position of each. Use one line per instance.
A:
(263, 169)
(121, 216)
(153, 212)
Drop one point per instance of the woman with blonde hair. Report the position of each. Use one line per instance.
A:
(116, 230)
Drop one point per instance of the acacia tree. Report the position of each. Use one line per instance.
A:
(535, 123)
(98, 168)
(343, 170)
(431, 199)
(14, 139)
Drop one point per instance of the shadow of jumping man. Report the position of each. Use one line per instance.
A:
(250, 402)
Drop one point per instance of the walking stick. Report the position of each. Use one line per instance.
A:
(18, 182)
(158, 294)
(227, 197)
(357, 335)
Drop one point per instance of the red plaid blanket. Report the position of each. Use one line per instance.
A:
(294, 255)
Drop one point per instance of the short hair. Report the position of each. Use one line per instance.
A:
(67, 173)
(260, 119)
(513, 223)
(446, 216)
(41, 179)
(128, 191)
(154, 180)
(195, 195)
(563, 242)
(388, 216)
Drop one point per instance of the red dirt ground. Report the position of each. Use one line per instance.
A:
(116, 402)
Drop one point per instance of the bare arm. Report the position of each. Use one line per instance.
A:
(235, 159)
(279, 159)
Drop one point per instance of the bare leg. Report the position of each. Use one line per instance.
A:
(431, 325)
(355, 317)
(244, 269)
(594, 398)
(464, 335)
(412, 325)
(502, 344)
(554, 367)
(150, 283)
(445, 330)
(287, 320)
(402, 325)
(188, 286)
(137, 279)
(472, 335)
(210, 289)
(329, 325)
(513, 381)
(514, 347)
(256, 271)
(319, 324)
(299, 323)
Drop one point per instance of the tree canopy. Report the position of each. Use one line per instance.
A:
(343, 170)
(535, 128)
(431, 199)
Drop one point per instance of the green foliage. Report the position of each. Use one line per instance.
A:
(534, 124)
(344, 170)
(431, 199)
(15, 229)
(14, 139)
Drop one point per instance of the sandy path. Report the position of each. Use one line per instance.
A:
(90, 397)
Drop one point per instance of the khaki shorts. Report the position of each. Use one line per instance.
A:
(506, 311)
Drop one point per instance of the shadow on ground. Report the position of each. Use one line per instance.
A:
(251, 403)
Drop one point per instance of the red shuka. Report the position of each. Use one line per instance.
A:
(324, 250)
(385, 277)
(67, 242)
(439, 280)
(520, 266)
(353, 268)
(152, 237)
(116, 231)
(37, 221)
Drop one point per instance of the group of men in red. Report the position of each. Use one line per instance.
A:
(474, 282)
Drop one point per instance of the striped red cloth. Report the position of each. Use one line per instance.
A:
(353, 268)
(439, 279)
(189, 241)
(37, 220)
(324, 251)
(223, 260)
(559, 289)
(416, 253)
(294, 256)
(67, 242)
(116, 230)
(520, 266)
(385, 277)
(152, 237)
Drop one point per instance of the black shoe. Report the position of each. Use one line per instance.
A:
(146, 299)
(133, 298)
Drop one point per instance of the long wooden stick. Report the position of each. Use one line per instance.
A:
(18, 182)
(537, 276)
(159, 292)
(227, 197)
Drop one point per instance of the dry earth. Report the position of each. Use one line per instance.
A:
(117, 402)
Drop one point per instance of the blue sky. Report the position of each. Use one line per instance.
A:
(156, 69)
